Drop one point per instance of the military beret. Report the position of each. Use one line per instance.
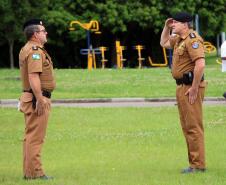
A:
(182, 17)
(32, 22)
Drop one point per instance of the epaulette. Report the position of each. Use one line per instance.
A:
(192, 35)
(35, 47)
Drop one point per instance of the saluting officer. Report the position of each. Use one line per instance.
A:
(188, 71)
(36, 69)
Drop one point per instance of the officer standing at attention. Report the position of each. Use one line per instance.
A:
(38, 82)
(188, 71)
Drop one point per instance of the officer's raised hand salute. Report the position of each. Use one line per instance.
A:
(166, 33)
(38, 82)
(188, 71)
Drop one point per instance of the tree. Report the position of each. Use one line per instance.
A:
(212, 14)
(13, 18)
(118, 19)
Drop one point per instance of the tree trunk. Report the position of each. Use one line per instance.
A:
(11, 44)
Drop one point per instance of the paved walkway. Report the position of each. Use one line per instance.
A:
(116, 102)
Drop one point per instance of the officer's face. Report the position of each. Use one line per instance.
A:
(177, 26)
(42, 34)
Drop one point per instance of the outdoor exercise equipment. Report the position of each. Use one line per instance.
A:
(91, 56)
(159, 64)
(140, 59)
(218, 61)
(103, 60)
(209, 48)
(119, 54)
(93, 26)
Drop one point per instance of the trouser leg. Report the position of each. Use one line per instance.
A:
(192, 126)
(35, 131)
(182, 121)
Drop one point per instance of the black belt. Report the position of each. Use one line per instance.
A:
(181, 81)
(47, 94)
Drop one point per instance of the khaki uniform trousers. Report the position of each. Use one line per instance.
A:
(35, 131)
(191, 119)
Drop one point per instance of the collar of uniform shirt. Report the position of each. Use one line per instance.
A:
(186, 35)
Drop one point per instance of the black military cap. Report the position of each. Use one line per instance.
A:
(182, 17)
(32, 22)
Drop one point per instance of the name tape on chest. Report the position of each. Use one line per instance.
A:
(36, 56)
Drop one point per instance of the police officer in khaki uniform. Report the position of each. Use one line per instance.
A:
(38, 82)
(188, 71)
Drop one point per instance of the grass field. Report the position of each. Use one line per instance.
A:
(108, 83)
(114, 146)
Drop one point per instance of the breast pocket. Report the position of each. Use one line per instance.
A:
(180, 51)
(46, 63)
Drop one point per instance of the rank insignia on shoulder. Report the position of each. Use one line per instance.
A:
(192, 35)
(195, 45)
(34, 47)
(36, 56)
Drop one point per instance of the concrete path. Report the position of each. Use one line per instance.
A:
(116, 102)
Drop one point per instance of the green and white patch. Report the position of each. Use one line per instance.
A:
(36, 56)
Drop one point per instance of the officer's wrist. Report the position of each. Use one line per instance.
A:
(195, 87)
(39, 97)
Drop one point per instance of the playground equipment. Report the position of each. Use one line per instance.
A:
(119, 54)
(209, 48)
(140, 59)
(218, 61)
(158, 64)
(93, 26)
(91, 56)
(103, 60)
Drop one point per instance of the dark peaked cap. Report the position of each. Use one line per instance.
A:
(182, 17)
(32, 22)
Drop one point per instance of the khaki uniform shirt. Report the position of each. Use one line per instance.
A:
(33, 58)
(185, 52)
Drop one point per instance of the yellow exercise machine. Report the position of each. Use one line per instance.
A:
(140, 59)
(93, 26)
(219, 61)
(209, 48)
(119, 54)
(159, 64)
(103, 60)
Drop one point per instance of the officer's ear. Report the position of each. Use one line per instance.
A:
(35, 35)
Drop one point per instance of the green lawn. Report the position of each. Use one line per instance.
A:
(110, 83)
(114, 146)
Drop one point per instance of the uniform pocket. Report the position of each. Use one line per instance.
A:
(202, 88)
(180, 51)
(46, 62)
(26, 103)
(203, 84)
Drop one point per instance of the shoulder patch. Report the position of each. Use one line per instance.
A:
(195, 45)
(36, 56)
(192, 35)
(35, 47)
